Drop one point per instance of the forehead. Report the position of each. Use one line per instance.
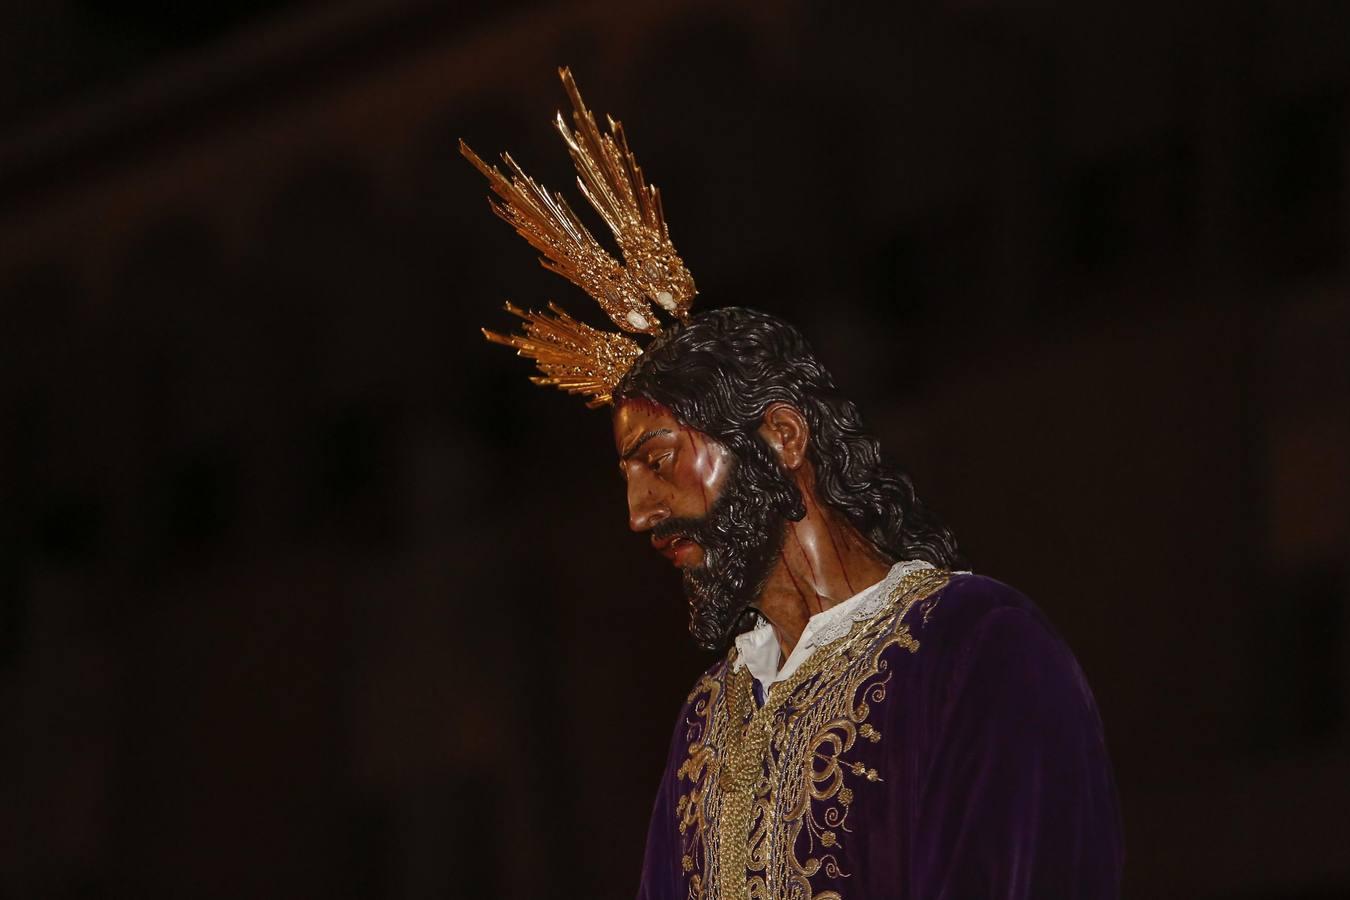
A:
(634, 418)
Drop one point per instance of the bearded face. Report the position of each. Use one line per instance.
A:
(718, 517)
(741, 536)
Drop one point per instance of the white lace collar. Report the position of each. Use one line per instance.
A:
(758, 648)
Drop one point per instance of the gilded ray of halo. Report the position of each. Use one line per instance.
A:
(611, 179)
(573, 356)
(567, 246)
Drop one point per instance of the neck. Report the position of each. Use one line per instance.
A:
(824, 561)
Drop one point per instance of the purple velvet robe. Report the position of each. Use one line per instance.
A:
(948, 749)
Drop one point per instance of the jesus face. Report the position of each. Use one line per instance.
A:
(699, 505)
(673, 473)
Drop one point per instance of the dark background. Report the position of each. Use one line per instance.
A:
(306, 592)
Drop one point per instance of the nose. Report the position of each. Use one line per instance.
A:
(644, 509)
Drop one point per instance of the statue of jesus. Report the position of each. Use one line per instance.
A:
(879, 722)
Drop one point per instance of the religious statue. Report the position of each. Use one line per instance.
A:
(881, 723)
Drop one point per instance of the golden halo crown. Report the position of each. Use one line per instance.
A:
(572, 355)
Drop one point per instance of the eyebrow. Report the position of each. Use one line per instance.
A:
(628, 454)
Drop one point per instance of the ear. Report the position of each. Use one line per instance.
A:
(785, 431)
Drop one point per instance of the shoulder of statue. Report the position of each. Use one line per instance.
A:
(908, 589)
(960, 603)
(713, 677)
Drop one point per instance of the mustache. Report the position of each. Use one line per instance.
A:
(677, 527)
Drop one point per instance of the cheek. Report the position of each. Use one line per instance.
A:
(705, 468)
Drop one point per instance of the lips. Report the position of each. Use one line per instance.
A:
(674, 548)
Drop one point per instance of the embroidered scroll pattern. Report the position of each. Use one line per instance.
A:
(761, 778)
(698, 808)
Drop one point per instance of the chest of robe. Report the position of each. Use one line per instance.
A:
(773, 796)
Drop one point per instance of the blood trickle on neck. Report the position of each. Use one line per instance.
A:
(824, 522)
(796, 585)
(815, 579)
(839, 558)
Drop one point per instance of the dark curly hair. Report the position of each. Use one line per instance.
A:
(719, 372)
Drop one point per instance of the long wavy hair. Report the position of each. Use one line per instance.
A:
(722, 369)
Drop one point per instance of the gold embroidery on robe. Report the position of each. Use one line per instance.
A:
(761, 777)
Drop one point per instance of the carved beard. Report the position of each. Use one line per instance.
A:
(741, 536)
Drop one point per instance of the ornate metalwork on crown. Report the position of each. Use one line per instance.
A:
(652, 280)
